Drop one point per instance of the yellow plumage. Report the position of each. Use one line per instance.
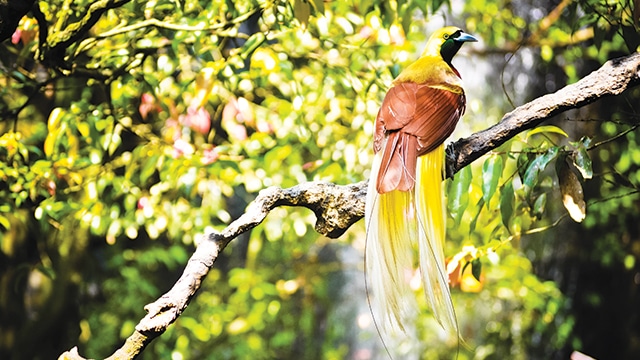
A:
(397, 223)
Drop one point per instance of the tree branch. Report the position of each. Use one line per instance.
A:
(58, 42)
(338, 207)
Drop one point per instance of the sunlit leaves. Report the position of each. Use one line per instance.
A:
(551, 129)
(459, 193)
(491, 172)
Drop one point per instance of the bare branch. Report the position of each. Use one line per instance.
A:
(338, 207)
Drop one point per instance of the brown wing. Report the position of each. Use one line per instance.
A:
(414, 119)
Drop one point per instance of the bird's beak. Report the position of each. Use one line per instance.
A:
(464, 37)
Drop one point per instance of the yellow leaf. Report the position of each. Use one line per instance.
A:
(54, 119)
(50, 143)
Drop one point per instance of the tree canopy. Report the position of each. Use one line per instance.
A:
(150, 148)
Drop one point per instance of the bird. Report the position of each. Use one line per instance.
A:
(405, 201)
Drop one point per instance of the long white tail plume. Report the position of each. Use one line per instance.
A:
(396, 222)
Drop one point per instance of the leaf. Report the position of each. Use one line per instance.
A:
(571, 190)
(149, 168)
(539, 205)
(364, 6)
(581, 158)
(5, 223)
(435, 4)
(388, 13)
(474, 219)
(536, 167)
(546, 129)
(464, 268)
(598, 36)
(507, 200)
(491, 171)
(318, 7)
(459, 193)
(302, 11)
(54, 119)
(476, 268)
(523, 160)
(253, 43)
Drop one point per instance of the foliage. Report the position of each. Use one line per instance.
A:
(166, 118)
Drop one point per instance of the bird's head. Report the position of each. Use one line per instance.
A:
(446, 42)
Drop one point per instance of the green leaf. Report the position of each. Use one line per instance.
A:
(302, 11)
(388, 13)
(523, 160)
(491, 171)
(476, 268)
(318, 7)
(536, 167)
(435, 4)
(253, 43)
(507, 200)
(474, 220)
(148, 168)
(459, 193)
(581, 158)
(539, 205)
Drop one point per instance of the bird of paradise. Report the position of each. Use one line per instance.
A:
(405, 200)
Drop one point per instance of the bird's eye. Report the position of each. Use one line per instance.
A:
(446, 36)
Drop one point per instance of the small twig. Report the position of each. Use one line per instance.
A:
(614, 138)
(153, 22)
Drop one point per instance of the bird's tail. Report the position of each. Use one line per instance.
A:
(432, 234)
(396, 222)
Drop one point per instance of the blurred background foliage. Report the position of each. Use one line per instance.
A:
(166, 118)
